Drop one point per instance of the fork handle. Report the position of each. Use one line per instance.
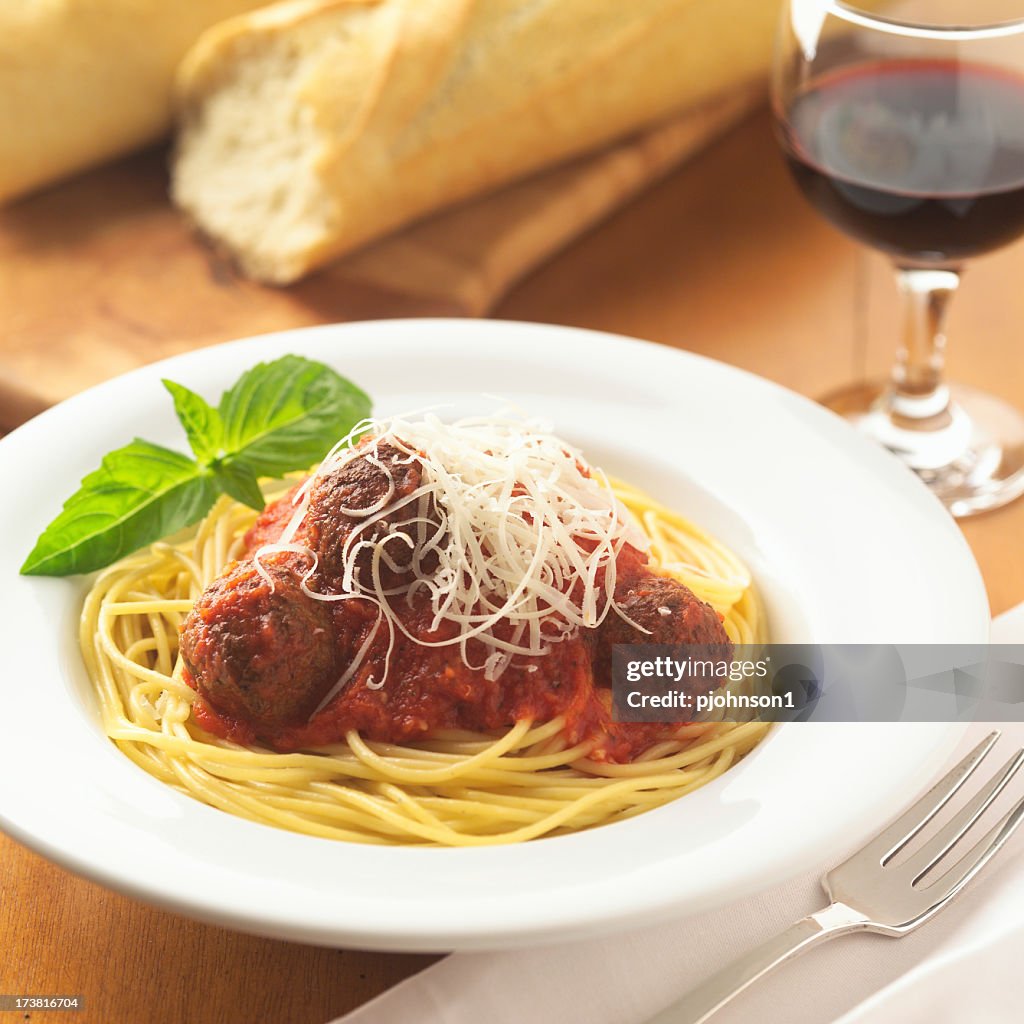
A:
(700, 1003)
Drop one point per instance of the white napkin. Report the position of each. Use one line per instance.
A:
(963, 966)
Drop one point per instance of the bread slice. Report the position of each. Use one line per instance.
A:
(309, 127)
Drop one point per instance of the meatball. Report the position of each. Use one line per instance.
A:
(668, 610)
(263, 655)
(360, 484)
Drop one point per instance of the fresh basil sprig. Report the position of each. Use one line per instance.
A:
(278, 417)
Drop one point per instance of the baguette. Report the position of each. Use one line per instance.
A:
(312, 126)
(85, 80)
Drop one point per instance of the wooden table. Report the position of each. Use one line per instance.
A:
(722, 259)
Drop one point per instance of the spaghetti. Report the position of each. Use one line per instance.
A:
(453, 789)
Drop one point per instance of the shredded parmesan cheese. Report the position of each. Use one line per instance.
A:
(518, 532)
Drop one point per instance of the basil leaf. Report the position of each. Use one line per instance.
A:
(140, 493)
(278, 417)
(200, 420)
(288, 414)
(239, 481)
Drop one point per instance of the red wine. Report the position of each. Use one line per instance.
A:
(924, 159)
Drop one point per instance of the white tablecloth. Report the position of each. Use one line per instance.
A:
(966, 966)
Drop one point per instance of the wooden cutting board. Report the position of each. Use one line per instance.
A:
(101, 274)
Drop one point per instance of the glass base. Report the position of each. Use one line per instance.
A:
(973, 462)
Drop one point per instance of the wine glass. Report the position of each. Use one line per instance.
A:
(903, 124)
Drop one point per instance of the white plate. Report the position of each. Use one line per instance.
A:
(846, 544)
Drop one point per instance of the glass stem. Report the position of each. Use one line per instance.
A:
(919, 398)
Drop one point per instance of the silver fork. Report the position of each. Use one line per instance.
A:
(870, 893)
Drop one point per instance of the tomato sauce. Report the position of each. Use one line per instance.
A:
(426, 688)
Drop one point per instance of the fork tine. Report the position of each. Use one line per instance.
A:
(892, 839)
(949, 884)
(947, 837)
